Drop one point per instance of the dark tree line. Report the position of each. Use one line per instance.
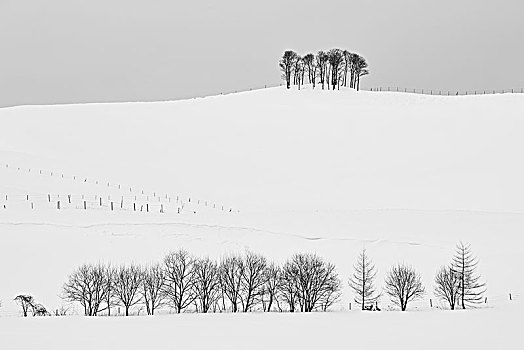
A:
(333, 68)
(249, 282)
(183, 282)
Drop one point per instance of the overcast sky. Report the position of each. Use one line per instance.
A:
(64, 51)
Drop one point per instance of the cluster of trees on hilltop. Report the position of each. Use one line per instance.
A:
(333, 68)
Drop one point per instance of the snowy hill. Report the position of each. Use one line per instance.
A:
(276, 171)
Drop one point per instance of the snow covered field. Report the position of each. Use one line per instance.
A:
(476, 329)
(406, 176)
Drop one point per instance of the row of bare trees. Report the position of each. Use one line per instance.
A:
(183, 282)
(457, 284)
(249, 282)
(333, 68)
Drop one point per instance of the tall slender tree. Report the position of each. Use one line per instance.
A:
(363, 281)
(335, 58)
(471, 290)
(298, 70)
(347, 65)
(309, 62)
(321, 63)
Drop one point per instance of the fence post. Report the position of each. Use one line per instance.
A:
(349, 306)
(510, 297)
(85, 205)
(147, 207)
(58, 205)
(48, 198)
(134, 206)
(430, 303)
(100, 200)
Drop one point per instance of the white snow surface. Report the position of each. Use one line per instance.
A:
(405, 176)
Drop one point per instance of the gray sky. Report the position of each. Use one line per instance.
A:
(64, 51)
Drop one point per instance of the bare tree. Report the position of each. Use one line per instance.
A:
(309, 62)
(360, 69)
(271, 286)
(316, 281)
(25, 302)
(298, 71)
(110, 278)
(465, 265)
(88, 286)
(347, 66)
(153, 280)
(207, 283)
(179, 274)
(253, 280)
(128, 280)
(403, 284)
(231, 272)
(287, 63)
(363, 281)
(321, 63)
(335, 59)
(448, 286)
(288, 286)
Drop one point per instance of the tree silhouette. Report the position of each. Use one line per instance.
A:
(335, 59)
(321, 62)
(447, 286)
(287, 63)
(403, 284)
(309, 62)
(362, 281)
(465, 265)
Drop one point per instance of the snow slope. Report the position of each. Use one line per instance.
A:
(406, 176)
